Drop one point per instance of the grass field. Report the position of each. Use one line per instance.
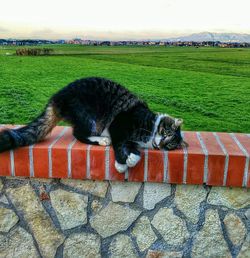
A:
(208, 87)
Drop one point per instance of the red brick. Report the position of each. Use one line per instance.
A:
(41, 155)
(216, 159)
(196, 159)
(155, 166)
(59, 155)
(245, 142)
(136, 173)
(78, 160)
(175, 166)
(237, 160)
(97, 163)
(5, 167)
(22, 161)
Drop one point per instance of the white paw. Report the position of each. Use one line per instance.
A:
(132, 159)
(121, 168)
(105, 141)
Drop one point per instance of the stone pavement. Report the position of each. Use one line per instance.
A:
(76, 218)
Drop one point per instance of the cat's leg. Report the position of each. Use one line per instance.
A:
(82, 132)
(102, 140)
(126, 151)
(118, 135)
(134, 157)
(121, 155)
(126, 155)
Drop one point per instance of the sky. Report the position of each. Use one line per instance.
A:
(117, 20)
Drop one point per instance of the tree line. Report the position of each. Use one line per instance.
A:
(34, 51)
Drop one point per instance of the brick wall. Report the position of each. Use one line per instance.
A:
(216, 159)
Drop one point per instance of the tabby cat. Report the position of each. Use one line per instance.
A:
(100, 112)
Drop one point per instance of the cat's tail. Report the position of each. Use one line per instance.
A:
(34, 132)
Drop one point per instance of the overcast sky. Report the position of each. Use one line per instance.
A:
(116, 19)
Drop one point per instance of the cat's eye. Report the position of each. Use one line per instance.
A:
(163, 132)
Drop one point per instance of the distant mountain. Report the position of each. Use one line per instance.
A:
(208, 36)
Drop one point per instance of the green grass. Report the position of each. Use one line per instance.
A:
(208, 87)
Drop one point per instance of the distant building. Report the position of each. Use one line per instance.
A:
(78, 41)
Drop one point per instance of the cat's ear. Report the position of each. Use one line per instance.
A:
(177, 123)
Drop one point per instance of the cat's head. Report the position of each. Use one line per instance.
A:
(168, 134)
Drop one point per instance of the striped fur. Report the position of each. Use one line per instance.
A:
(34, 132)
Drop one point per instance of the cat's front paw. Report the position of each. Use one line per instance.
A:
(132, 159)
(121, 168)
(105, 141)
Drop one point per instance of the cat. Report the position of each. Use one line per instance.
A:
(101, 112)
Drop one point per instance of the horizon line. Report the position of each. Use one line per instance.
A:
(154, 38)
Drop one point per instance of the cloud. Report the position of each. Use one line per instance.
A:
(44, 33)
(3, 30)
